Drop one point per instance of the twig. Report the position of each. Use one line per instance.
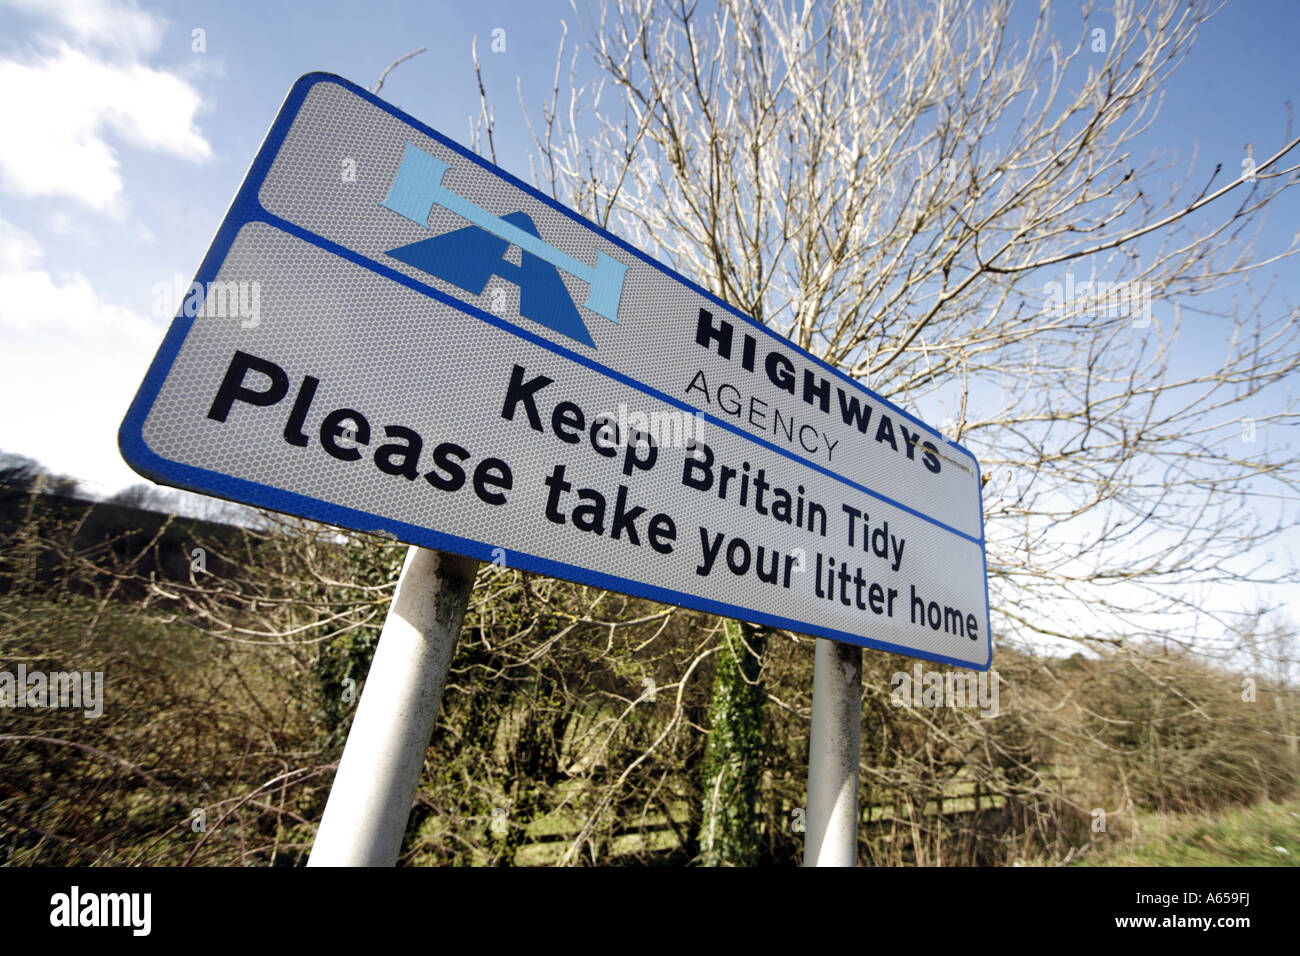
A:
(401, 59)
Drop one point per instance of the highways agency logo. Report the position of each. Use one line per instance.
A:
(469, 257)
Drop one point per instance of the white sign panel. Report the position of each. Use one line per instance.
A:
(391, 334)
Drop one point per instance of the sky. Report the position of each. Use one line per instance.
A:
(127, 128)
(131, 139)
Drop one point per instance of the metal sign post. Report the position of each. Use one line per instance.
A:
(833, 750)
(370, 801)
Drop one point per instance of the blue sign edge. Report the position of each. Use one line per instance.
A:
(246, 207)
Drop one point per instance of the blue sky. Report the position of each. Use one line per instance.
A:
(104, 200)
(124, 143)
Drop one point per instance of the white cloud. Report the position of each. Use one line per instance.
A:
(19, 250)
(62, 224)
(73, 364)
(60, 105)
(114, 25)
(77, 89)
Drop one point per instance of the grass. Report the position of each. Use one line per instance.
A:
(1267, 834)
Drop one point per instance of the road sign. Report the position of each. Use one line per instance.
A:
(392, 335)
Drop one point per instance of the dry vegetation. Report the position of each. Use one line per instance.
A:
(226, 692)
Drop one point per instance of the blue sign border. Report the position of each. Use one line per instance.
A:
(247, 208)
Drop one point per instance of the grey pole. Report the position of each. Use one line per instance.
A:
(832, 819)
(370, 802)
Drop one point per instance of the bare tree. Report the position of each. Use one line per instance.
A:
(955, 216)
(139, 495)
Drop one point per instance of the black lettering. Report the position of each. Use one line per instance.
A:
(815, 387)
(909, 441)
(699, 461)
(916, 604)
(854, 412)
(555, 481)
(706, 332)
(876, 595)
(885, 432)
(293, 432)
(232, 387)
(604, 437)
(780, 371)
(331, 429)
(401, 460)
(710, 553)
(445, 457)
(703, 386)
(952, 621)
(625, 519)
(492, 473)
(931, 457)
(521, 391)
(564, 417)
(661, 533)
(738, 556)
(631, 459)
(589, 516)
